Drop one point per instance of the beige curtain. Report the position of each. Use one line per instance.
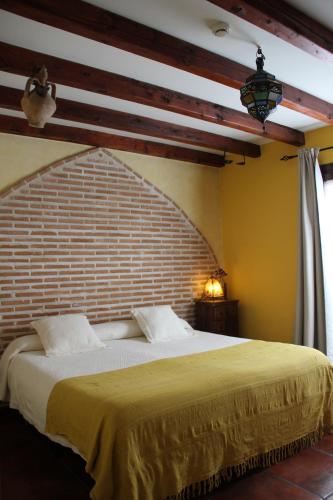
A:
(328, 266)
(310, 327)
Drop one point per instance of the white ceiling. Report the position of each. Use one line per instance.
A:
(320, 10)
(189, 20)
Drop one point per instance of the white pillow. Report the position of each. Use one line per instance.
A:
(115, 330)
(185, 324)
(160, 324)
(66, 334)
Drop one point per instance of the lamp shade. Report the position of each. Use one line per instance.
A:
(261, 93)
(213, 288)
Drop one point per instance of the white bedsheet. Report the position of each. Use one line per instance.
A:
(32, 375)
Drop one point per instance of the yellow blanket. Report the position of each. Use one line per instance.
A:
(175, 427)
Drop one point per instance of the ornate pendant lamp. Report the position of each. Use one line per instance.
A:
(261, 93)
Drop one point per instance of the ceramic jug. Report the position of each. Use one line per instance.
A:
(37, 104)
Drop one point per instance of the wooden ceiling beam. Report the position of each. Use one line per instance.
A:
(84, 19)
(286, 22)
(19, 126)
(104, 117)
(21, 61)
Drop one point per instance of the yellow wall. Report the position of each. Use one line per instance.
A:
(259, 204)
(194, 188)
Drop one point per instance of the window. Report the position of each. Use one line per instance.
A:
(327, 173)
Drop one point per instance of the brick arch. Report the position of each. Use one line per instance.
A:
(89, 235)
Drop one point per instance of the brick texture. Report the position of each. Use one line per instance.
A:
(89, 235)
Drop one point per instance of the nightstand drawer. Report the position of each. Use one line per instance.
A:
(217, 316)
(218, 313)
(217, 327)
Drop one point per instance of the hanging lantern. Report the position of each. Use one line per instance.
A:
(37, 104)
(261, 93)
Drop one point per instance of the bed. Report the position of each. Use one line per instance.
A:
(179, 417)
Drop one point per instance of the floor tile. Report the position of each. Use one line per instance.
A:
(28, 468)
(262, 486)
(73, 463)
(39, 478)
(326, 444)
(310, 469)
(1, 483)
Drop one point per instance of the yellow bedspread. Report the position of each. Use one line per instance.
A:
(177, 426)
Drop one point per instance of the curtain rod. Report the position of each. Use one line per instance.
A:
(286, 158)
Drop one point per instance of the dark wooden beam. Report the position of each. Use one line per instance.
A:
(19, 126)
(21, 61)
(96, 115)
(106, 27)
(286, 22)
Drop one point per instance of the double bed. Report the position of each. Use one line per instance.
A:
(172, 419)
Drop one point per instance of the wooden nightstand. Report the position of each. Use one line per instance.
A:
(217, 316)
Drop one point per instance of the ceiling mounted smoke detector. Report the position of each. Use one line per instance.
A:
(221, 29)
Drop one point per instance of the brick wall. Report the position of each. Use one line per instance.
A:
(89, 235)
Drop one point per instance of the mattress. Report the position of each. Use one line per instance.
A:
(32, 375)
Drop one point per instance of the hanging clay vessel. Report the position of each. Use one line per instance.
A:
(37, 104)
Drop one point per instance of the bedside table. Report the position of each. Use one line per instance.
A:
(217, 316)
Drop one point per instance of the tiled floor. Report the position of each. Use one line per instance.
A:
(33, 468)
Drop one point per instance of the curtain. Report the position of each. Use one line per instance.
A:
(310, 327)
(328, 264)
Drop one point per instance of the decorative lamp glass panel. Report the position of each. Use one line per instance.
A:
(213, 288)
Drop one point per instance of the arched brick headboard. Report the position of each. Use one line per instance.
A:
(89, 235)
